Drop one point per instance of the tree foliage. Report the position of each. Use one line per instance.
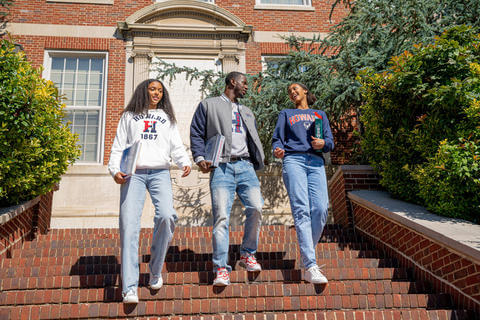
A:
(4, 8)
(4, 11)
(422, 124)
(35, 147)
(372, 32)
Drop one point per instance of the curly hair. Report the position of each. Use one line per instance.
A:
(140, 100)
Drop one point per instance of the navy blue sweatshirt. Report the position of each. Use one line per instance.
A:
(294, 130)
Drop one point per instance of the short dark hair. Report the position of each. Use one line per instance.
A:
(233, 75)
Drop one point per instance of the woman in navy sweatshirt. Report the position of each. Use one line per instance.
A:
(304, 176)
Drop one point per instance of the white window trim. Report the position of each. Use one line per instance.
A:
(47, 63)
(291, 7)
(266, 57)
(277, 56)
(84, 1)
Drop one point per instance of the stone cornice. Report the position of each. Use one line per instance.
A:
(139, 27)
(211, 9)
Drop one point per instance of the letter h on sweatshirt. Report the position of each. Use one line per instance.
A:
(150, 126)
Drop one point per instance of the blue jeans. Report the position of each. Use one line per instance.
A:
(306, 183)
(132, 199)
(227, 178)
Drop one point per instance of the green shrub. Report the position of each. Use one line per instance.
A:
(421, 121)
(450, 182)
(35, 147)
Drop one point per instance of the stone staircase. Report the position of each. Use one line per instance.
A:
(74, 273)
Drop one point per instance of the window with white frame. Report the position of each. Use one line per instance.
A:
(274, 62)
(80, 78)
(285, 2)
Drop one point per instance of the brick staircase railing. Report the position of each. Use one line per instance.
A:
(447, 259)
(345, 179)
(20, 223)
(74, 273)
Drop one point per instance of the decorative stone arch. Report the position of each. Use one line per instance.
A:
(182, 28)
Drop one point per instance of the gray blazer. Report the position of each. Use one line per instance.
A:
(214, 116)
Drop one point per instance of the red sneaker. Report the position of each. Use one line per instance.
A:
(250, 263)
(223, 278)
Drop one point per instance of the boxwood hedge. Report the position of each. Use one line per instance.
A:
(35, 147)
(422, 124)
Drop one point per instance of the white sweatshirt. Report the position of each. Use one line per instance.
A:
(160, 141)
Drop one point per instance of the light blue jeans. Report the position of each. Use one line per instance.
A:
(227, 178)
(132, 199)
(306, 183)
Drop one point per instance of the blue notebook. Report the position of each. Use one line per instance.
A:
(129, 158)
(213, 149)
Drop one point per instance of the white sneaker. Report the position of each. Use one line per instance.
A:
(250, 263)
(314, 275)
(156, 282)
(130, 297)
(222, 279)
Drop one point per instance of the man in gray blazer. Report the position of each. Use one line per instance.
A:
(241, 156)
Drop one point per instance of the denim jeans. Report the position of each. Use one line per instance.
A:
(306, 183)
(227, 178)
(132, 199)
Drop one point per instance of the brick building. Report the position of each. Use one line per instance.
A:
(97, 51)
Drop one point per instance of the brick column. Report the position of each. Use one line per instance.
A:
(44, 213)
(450, 262)
(348, 178)
(21, 222)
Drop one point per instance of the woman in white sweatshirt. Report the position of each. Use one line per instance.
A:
(149, 117)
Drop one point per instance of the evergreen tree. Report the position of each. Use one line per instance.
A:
(4, 11)
(372, 32)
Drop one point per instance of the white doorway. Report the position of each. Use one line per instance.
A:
(184, 95)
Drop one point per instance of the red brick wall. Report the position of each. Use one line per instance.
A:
(253, 56)
(345, 179)
(447, 270)
(44, 213)
(13, 232)
(33, 47)
(282, 20)
(345, 139)
(40, 11)
(24, 225)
